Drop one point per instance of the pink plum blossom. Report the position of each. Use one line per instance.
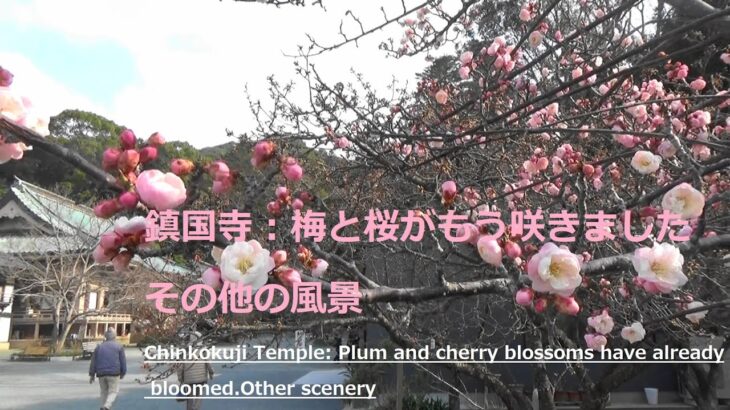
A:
(122, 260)
(554, 270)
(111, 241)
(288, 276)
(159, 190)
(698, 84)
(319, 267)
(342, 143)
(595, 341)
(103, 255)
(490, 251)
(567, 305)
(466, 58)
(263, 151)
(6, 77)
(525, 14)
(212, 277)
(535, 38)
(10, 151)
(666, 149)
(470, 231)
(442, 97)
(602, 323)
(725, 57)
(464, 72)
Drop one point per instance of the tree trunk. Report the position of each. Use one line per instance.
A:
(61, 343)
(56, 326)
(545, 389)
(594, 400)
(454, 398)
(701, 387)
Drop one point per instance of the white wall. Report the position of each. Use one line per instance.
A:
(6, 313)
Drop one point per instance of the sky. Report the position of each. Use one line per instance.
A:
(180, 67)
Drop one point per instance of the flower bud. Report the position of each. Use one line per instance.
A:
(128, 199)
(107, 208)
(147, 154)
(288, 276)
(127, 139)
(280, 257)
(156, 140)
(122, 260)
(110, 159)
(128, 160)
(181, 167)
(524, 296)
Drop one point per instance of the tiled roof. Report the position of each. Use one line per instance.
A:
(79, 228)
(76, 225)
(58, 211)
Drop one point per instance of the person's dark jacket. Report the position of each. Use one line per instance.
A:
(108, 360)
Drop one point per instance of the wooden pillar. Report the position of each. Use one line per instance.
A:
(100, 296)
(37, 330)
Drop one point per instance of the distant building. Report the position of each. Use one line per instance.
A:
(35, 222)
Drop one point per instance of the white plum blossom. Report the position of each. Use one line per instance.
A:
(660, 267)
(645, 162)
(634, 333)
(247, 263)
(124, 226)
(684, 200)
(696, 317)
(216, 254)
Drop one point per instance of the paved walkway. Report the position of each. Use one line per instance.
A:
(62, 384)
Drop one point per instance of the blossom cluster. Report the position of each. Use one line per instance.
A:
(19, 110)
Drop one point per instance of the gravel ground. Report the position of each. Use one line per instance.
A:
(63, 384)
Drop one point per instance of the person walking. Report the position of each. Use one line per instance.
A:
(109, 365)
(194, 374)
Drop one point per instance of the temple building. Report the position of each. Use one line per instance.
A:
(36, 224)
